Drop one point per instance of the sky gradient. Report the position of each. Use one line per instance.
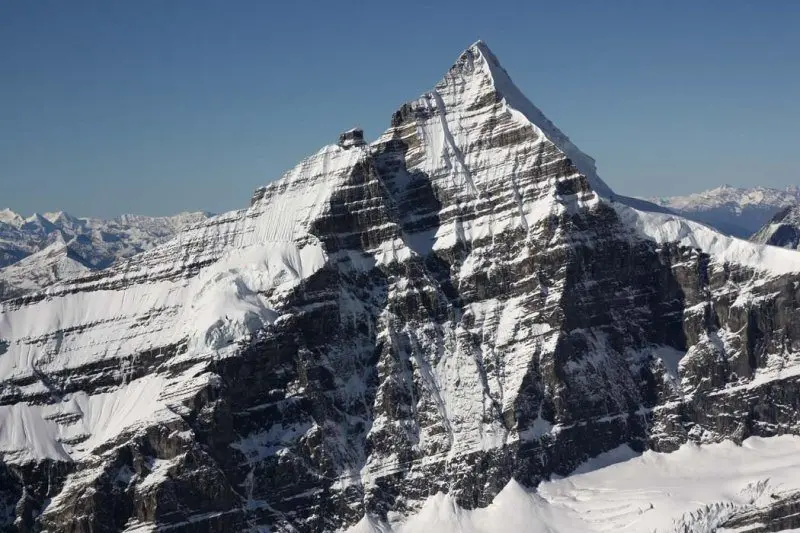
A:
(155, 107)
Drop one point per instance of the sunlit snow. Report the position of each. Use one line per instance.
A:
(693, 489)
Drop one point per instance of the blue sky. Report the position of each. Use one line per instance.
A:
(156, 106)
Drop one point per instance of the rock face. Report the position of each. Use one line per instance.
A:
(44, 249)
(350, 138)
(733, 210)
(782, 230)
(459, 303)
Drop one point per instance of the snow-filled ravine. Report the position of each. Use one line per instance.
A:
(696, 488)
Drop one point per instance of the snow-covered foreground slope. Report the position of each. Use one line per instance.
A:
(701, 489)
(460, 303)
(254, 258)
(733, 210)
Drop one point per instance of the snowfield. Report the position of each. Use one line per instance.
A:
(693, 489)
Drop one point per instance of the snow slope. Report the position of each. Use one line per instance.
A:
(666, 228)
(256, 256)
(696, 488)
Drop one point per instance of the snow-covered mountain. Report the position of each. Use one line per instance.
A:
(782, 230)
(59, 261)
(101, 241)
(733, 210)
(414, 334)
(50, 247)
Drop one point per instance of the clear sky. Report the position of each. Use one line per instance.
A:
(156, 106)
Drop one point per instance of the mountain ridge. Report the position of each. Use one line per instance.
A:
(782, 230)
(95, 243)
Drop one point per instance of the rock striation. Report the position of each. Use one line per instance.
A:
(460, 303)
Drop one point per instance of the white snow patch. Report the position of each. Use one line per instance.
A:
(34, 431)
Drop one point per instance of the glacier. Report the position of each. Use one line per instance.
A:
(692, 489)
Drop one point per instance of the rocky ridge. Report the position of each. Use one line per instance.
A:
(460, 303)
(782, 230)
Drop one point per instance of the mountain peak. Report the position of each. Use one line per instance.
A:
(783, 229)
(10, 217)
(478, 71)
(476, 62)
(56, 216)
(322, 354)
(37, 220)
(480, 43)
(477, 51)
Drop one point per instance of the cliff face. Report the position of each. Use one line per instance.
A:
(457, 304)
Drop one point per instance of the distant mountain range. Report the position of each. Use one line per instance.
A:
(736, 211)
(41, 249)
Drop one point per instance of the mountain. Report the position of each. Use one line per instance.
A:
(80, 244)
(782, 230)
(732, 210)
(414, 334)
(103, 241)
(59, 261)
